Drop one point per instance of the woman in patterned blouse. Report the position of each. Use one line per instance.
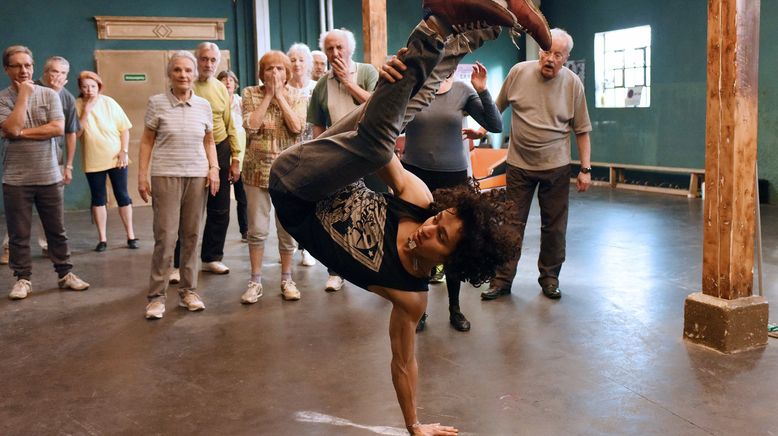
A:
(274, 118)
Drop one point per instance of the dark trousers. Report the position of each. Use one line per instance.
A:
(49, 201)
(98, 189)
(437, 180)
(242, 208)
(553, 192)
(218, 208)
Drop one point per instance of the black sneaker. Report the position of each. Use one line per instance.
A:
(133, 243)
(101, 246)
(438, 276)
(494, 293)
(422, 323)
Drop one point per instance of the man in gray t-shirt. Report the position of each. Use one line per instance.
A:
(547, 103)
(30, 119)
(55, 76)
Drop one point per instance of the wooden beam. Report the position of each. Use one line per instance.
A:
(374, 31)
(730, 148)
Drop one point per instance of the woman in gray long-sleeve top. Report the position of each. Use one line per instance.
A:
(434, 152)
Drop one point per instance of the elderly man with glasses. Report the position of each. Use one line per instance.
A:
(31, 119)
(547, 102)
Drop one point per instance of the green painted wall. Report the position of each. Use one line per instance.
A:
(68, 29)
(672, 131)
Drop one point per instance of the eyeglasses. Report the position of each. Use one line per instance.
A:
(556, 55)
(20, 66)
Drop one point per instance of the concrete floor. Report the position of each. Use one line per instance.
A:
(608, 358)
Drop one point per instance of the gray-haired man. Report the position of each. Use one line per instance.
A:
(347, 85)
(55, 76)
(31, 118)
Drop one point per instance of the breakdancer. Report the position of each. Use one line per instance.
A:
(388, 243)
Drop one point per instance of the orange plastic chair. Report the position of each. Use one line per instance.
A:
(484, 161)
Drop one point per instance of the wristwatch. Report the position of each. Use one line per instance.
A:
(586, 170)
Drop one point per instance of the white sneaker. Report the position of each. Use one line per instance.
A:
(191, 301)
(155, 310)
(21, 288)
(216, 267)
(334, 283)
(289, 290)
(71, 281)
(252, 294)
(6, 254)
(306, 259)
(174, 277)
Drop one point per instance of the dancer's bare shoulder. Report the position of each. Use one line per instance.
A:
(404, 184)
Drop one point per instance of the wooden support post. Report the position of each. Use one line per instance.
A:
(613, 177)
(374, 31)
(725, 315)
(694, 185)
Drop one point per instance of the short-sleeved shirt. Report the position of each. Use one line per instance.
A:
(180, 129)
(32, 161)
(305, 93)
(102, 133)
(72, 124)
(318, 109)
(544, 112)
(263, 145)
(218, 97)
(237, 116)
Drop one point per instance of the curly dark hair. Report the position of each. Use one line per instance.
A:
(487, 242)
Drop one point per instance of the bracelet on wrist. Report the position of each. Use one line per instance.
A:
(410, 427)
(210, 167)
(69, 167)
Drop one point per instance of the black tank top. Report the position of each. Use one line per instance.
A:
(355, 233)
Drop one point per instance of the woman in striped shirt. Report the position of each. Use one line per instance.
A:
(178, 142)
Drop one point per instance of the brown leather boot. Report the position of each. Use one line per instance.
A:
(460, 12)
(532, 21)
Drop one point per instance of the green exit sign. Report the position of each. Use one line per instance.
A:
(135, 77)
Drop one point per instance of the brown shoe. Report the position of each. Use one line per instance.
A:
(459, 12)
(532, 21)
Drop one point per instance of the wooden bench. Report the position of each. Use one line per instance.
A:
(616, 177)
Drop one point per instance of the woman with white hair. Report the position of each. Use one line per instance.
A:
(302, 66)
(178, 142)
(301, 87)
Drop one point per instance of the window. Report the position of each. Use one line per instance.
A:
(622, 67)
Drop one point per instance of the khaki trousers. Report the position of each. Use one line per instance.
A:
(179, 205)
